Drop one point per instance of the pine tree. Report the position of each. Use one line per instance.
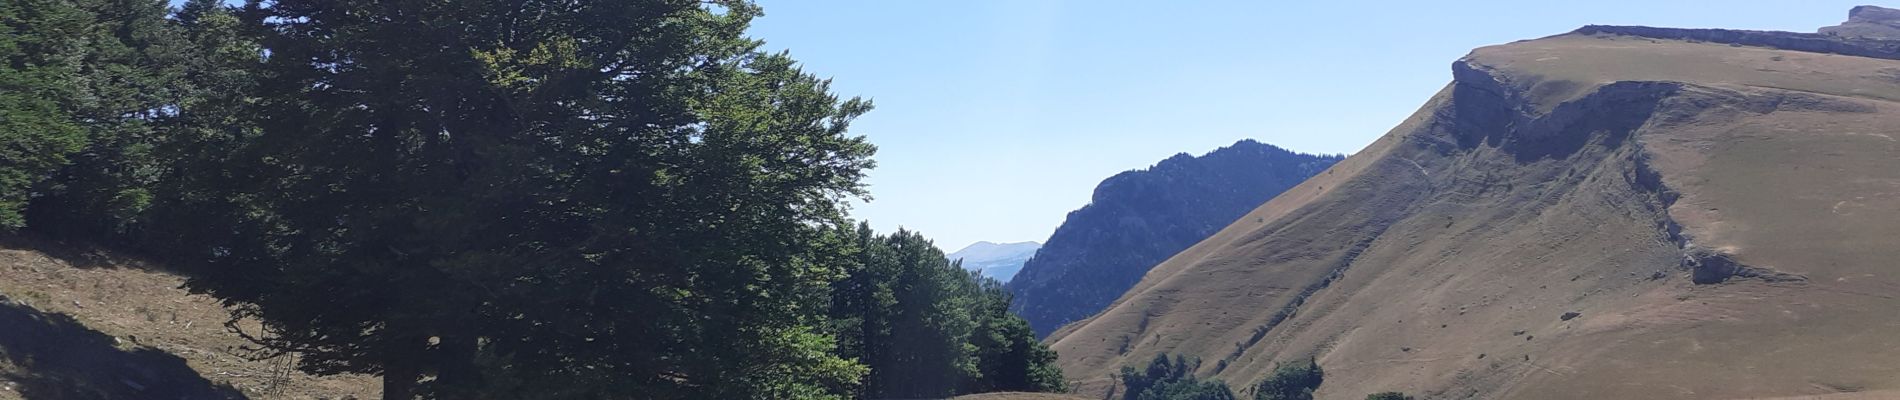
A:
(1009, 357)
(927, 328)
(44, 47)
(129, 85)
(930, 353)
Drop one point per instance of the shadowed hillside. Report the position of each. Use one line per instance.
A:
(82, 324)
(1138, 218)
(53, 356)
(1619, 212)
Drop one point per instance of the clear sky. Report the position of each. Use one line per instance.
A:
(996, 118)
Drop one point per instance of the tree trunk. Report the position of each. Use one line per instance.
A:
(399, 382)
(402, 368)
(456, 363)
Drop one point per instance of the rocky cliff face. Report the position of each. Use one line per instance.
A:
(1868, 22)
(1618, 212)
(1138, 218)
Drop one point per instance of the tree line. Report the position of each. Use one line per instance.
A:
(1167, 378)
(495, 198)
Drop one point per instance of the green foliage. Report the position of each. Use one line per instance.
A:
(1388, 396)
(1008, 354)
(1166, 379)
(1291, 381)
(634, 203)
(588, 199)
(927, 328)
(129, 90)
(124, 96)
(196, 176)
(42, 47)
(932, 324)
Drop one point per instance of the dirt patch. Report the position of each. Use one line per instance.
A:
(81, 323)
(53, 356)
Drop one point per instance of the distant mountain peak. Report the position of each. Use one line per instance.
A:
(996, 260)
(985, 246)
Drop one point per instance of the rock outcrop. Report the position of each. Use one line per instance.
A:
(1136, 219)
(1873, 22)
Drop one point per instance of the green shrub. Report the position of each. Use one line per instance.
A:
(1294, 381)
(1171, 379)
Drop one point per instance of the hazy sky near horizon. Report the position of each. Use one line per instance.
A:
(995, 118)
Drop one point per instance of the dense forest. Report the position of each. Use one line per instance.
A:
(495, 198)
(1137, 219)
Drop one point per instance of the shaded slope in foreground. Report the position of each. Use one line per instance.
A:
(80, 323)
(53, 356)
(1615, 213)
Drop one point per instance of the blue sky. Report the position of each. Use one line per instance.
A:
(996, 118)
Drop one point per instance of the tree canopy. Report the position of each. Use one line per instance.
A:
(928, 328)
(489, 198)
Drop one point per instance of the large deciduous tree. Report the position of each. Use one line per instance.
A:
(565, 198)
(495, 198)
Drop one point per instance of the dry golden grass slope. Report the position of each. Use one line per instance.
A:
(84, 325)
(1593, 215)
(1018, 396)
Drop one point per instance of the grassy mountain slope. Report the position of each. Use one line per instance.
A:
(1612, 213)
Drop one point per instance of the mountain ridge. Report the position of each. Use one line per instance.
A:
(1137, 218)
(998, 261)
(1616, 212)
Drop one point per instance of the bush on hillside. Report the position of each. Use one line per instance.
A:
(1292, 381)
(1171, 379)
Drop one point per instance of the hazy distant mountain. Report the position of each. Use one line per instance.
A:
(996, 260)
(1136, 219)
